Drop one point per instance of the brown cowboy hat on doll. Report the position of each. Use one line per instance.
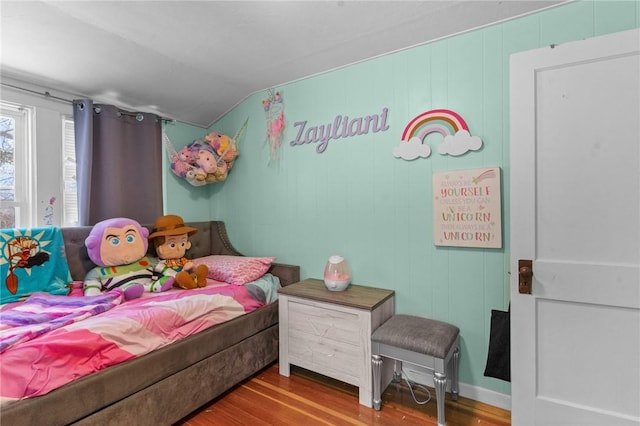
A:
(170, 238)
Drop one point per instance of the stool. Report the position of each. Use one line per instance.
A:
(424, 342)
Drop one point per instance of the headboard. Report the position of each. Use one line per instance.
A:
(211, 238)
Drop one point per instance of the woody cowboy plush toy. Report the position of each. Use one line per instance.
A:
(170, 238)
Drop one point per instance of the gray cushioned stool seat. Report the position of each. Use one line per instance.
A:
(424, 342)
(416, 334)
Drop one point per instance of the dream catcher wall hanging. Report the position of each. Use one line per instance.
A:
(274, 114)
(206, 160)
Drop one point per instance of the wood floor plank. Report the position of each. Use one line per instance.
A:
(315, 407)
(309, 399)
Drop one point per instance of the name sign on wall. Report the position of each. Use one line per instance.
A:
(467, 208)
(341, 127)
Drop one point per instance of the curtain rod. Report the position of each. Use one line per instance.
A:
(45, 94)
(48, 95)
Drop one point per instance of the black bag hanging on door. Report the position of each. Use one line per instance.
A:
(499, 356)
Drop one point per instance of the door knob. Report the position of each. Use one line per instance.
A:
(525, 275)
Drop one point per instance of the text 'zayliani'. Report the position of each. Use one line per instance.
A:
(342, 127)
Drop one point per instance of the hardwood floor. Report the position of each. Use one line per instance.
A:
(308, 399)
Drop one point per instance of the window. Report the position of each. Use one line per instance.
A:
(37, 162)
(16, 168)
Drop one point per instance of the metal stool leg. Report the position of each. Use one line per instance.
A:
(454, 374)
(440, 383)
(376, 363)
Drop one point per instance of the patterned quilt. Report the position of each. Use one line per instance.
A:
(112, 333)
(44, 312)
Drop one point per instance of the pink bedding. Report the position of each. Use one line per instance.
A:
(43, 312)
(128, 330)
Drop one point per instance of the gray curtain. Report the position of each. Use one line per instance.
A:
(119, 163)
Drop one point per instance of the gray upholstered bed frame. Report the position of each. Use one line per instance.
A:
(164, 386)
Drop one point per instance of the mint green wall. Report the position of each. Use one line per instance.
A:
(357, 200)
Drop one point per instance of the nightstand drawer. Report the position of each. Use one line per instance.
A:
(324, 322)
(326, 341)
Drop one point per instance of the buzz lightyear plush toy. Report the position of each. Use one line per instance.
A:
(119, 246)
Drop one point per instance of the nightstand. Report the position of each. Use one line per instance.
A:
(329, 332)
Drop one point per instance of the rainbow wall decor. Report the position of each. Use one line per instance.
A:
(449, 124)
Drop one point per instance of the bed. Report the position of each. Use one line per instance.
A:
(168, 383)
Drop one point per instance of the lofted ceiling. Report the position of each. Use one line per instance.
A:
(195, 60)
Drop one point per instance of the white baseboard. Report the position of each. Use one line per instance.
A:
(486, 396)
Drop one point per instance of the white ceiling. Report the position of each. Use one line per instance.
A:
(195, 60)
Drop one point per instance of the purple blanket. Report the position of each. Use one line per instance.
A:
(44, 312)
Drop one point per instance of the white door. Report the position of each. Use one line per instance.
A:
(575, 212)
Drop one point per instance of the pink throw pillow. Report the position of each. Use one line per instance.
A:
(237, 270)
